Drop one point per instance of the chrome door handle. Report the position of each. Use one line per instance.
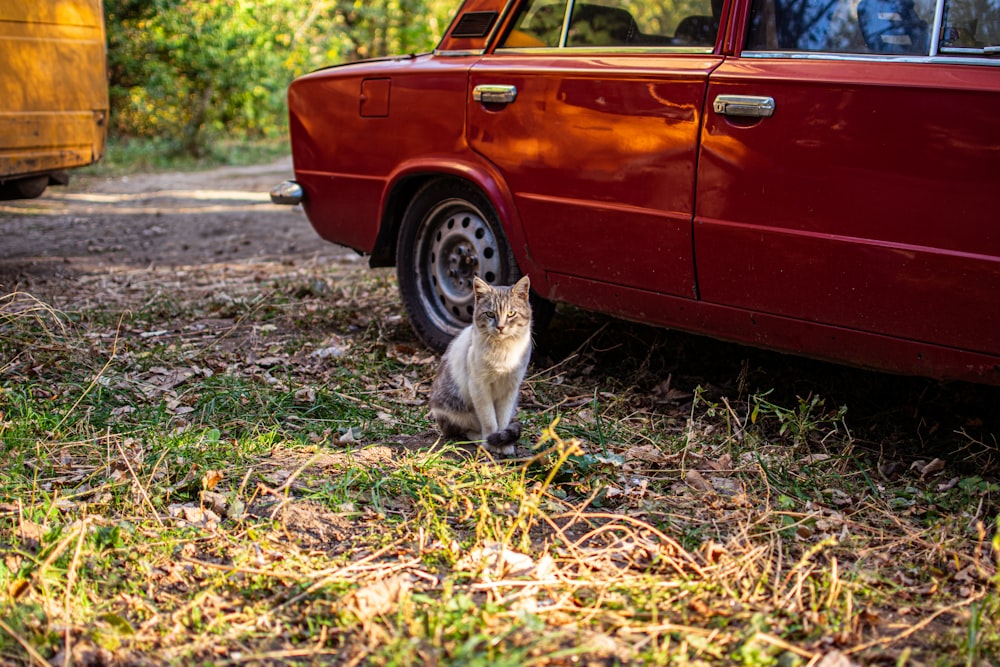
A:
(491, 93)
(749, 106)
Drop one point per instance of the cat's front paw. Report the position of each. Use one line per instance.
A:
(504, 441)
(505, 436)
(502, 450)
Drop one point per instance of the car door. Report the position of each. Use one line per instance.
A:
(591, 113)
(848, 171)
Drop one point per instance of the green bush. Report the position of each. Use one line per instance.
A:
(190, 73)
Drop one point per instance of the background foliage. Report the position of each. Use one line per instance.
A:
(189, 73)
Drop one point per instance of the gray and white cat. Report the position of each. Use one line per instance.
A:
(475, 393)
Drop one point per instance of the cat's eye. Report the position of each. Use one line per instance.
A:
(511, 313)
(490, 314)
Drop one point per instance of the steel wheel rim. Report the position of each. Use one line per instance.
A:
(454, 244)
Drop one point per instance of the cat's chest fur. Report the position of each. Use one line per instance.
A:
(495, 361)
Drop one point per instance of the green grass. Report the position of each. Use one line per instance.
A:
(269, 490)
(124, 156)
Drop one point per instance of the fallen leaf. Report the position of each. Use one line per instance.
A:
(174, 408)
(697, 481)
(665, 393)
(950, 484)
(890, 470)
(306, 395)
(210, 479)
(17, 588)
(712, 551)
(646, 453)
(380, 597)
(836, 659)
(937, 465)
(333, 350)
(498, 562)
(216, 501)
(194, 514)
(31, 534)
(725, 486)
(838, 497)
(352, 434)
(237, 508)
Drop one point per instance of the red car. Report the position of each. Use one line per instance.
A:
(820, 177)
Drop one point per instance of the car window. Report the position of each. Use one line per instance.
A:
(841, 26)
(890, 27)
(971, 27)
(608, 23)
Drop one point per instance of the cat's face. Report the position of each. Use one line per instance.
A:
(502, 312)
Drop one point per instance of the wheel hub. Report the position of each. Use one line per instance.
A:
(462, 264)
(457, 246)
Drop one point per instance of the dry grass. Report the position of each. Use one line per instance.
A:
(233, 466)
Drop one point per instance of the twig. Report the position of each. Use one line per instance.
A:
(70, 580)
(135, 478)
(668, 627)
(243, 570)
(56, 552)
(782, 644)
(280, 656)
(35, 655)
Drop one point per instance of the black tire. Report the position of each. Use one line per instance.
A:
(450, 233)
(29, 188)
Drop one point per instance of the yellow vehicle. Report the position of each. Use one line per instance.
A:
(53, 92)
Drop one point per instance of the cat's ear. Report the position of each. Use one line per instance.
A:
(521, 288)
(481, 287)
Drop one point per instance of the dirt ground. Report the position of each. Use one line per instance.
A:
(100, 224)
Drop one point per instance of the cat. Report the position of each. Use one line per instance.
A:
(475, 393)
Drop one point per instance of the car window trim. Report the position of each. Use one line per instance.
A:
(604, 50)
(564, 33)
(458, 53)
(972, 50)
(943, 59)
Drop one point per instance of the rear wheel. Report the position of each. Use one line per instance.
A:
(449, 234)
(24, 188)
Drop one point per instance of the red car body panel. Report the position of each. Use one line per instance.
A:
(344, 159)
(622, 136)
(873, 196)
(859, 223)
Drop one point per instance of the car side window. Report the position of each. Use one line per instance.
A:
(841, 26)
(690, 24)
(971, 27)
